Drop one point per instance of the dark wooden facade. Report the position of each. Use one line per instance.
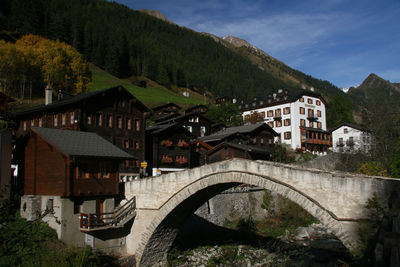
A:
(315, 140)
(198, 109)
(166, 109)
(194, 122)
(48, 171)
(168, 146)
(114, 113)
(226, 150)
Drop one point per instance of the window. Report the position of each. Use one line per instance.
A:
(277, 112)
(311, 124)
(287, 135)
(40, 122)
(109, 121)
(301, 99)
(128, 124)
(270, 113)
(278, 123)
(286, 122)
(99, 120)
(202, 130)
(309, 101)
(310, 112)
(254, 140)
(271, 124)
(345, 130)
(72, 117)
(24, 125)
(55, 120)
(302, 110)
(318, 103)
(247, 117)
(262, 141)
(32, 123)
(263, 114)
(319, 113)
(119, 122)
(137, 125)
(104, 171)
(63, 119)
(319, 125)
(137, 145)
(302, 122)
(189, 128)
(286, 110)
(50, 205)
(125, 143)
(89, 119)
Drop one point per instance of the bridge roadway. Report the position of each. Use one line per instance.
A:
(336, 199)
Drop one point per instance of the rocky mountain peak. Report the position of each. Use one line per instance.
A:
(156, 14)
(238, 42)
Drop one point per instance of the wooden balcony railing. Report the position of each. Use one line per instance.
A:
(116, 219)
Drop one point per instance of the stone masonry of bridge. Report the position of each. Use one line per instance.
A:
(163, 203)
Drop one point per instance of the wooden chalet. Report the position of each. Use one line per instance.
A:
(168, 148)
(259, 134)
(166, 109)
(113, 113)
(194, 122)
(71, 164)
(255, 141)
(73, 176)
(315, 140)
(227, 150)
(201, 109)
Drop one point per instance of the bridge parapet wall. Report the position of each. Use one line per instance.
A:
(343, 194)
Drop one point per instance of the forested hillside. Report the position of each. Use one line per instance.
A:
(125, 42)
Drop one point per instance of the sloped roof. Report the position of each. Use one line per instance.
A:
(194, 107)
(182, 117)
(157, 129)
(354, 126)
(280, 98)
(247, 148)
(166, 105)
(73, 100)
(222, 134)
(76, 143)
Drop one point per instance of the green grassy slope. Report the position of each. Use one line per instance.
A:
(150, 96)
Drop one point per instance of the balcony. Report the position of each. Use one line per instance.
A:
(277, 117)
(312, 118)
(90, 222)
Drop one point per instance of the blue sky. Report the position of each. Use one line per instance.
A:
(341, 41)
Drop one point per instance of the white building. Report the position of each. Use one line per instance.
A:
(298, 117)
(350, 138)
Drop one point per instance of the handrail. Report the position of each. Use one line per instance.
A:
(90, 221)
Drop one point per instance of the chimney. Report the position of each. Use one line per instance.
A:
(48, 95)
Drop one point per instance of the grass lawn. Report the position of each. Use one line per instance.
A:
(150, 96)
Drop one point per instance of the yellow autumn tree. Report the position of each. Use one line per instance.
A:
(33, 62)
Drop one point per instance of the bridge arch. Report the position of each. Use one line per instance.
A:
(161, 232)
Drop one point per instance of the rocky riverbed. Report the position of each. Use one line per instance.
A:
(309, 246)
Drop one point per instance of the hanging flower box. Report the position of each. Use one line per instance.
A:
(182, 143)
(166, 159)
(182, 161)
(166, 143)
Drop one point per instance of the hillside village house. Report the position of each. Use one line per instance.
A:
(351, 138)
(168, 148)
(253, 141)
(113, 113)
(68, 173)
(194, 122)
(298, 117)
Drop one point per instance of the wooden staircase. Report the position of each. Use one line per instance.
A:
(117, 219)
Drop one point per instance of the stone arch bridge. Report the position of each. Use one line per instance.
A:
(163, 203)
